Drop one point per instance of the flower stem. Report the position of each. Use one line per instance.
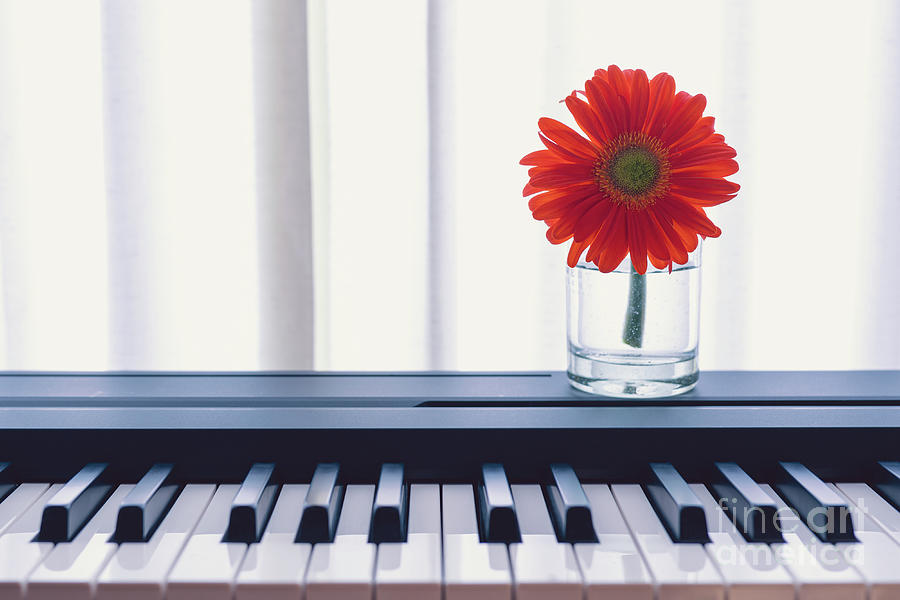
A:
(633, 332)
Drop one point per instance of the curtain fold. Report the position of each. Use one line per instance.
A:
(371, 136)
(155, 208)
(240, 184)
(285, 311)
(804, 91)
(52, 207)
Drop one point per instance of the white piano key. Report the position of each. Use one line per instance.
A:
(18, 501)
(541, 566)
(19, 554)
(343, 569)
(681, 571)
(613, 567)
(411, 570)
(750, 570)
(874, 506)
(137, 571)
(206, 567)
(819, 570)
(70, 570)
(274, 568)
(472, 570)
(876, 556)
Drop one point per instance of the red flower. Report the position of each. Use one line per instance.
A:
(640, 181)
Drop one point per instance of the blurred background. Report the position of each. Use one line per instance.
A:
(334, 184)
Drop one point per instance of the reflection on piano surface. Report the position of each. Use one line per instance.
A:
(480, 496)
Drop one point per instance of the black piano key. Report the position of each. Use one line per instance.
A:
(820, 508)
(676, 504)
(888, 482)
(569, 506)
(73, 505)
(252, 505)
(752, 511)
(5, 486)
(496, 507)
(389, 511)
(145, 505)
(322, 505)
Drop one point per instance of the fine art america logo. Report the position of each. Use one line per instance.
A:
(801, 546)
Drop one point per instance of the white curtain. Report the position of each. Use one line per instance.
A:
(805, 275)
(154, 185)
(156, 162)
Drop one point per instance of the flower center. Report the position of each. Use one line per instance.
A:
(633, 170)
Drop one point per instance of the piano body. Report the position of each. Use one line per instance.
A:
(462, 486)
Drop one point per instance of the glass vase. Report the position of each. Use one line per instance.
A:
(631, 335)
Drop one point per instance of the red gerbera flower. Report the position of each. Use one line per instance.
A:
(640, 181)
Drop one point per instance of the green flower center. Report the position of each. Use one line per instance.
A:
(634, 170)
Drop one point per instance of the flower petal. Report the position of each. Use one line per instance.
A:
(662, 93)
(564, 228)
(567, 137)
(700, 132)
(622, 90)
(640, 100)
(689, 237)
(659, 263)
(614, 220)
(551, 233)
(558, 206)
(616, 249)
(701, 199)
(719, 168)
(672, 239)
(590, 223)
(686, 237)
(606, 96)
(605, 116)
(546, 178)
(691, 217)
(587, 120)
(655, 238)
(700, 154)
(682, 119)
(563, 153)
(576, 250)
(540, 158)
(715, 185)
(637, 242)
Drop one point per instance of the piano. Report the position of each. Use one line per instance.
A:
(455, 486)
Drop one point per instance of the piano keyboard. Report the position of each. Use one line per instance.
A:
(560, 536)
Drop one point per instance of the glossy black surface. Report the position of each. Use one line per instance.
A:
(676, 504)
(390, 508)
(438, 401)
(751, 509)
(252, 505)
(569, 506)
(441, 426)
(73, 505)
(322, 505)
(145, 505)
(497, 510)
(819, 507)
(887, 481)
(5, 486)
